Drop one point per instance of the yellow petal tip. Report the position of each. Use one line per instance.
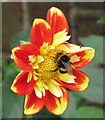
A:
(41, 21)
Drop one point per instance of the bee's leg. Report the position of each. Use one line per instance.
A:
(54, 70)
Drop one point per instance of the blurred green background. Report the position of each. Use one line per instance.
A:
(86, 23)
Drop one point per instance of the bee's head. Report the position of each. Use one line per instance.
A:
(65, 58)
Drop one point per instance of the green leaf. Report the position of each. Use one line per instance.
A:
(94, 92)
(12, 104)
(101, 20)
(15, 67)
(74, 102)
(104, 114)
(88, 112)
(9, 73)
(22, 42)
(0, 101)
(95, 41)
(22, 35)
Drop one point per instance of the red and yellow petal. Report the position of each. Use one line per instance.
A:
(57, 105)
(20, 85)
(40, 33)
(81, 55)
(69, 48)
(57, 20)
(81, 81)
(20, 55)
(33, 104)
(85, 56)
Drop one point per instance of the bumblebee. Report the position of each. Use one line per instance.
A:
(63, 62)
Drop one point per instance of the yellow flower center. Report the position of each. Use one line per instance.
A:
(49, 64)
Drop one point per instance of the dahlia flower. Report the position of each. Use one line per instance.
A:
(44, 77)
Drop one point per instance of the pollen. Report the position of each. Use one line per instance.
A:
(49, 64)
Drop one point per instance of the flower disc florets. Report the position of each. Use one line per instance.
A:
(47, 66)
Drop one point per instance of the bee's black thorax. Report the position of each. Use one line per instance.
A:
(63, 62)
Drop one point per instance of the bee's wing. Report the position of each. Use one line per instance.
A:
(68, 67)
